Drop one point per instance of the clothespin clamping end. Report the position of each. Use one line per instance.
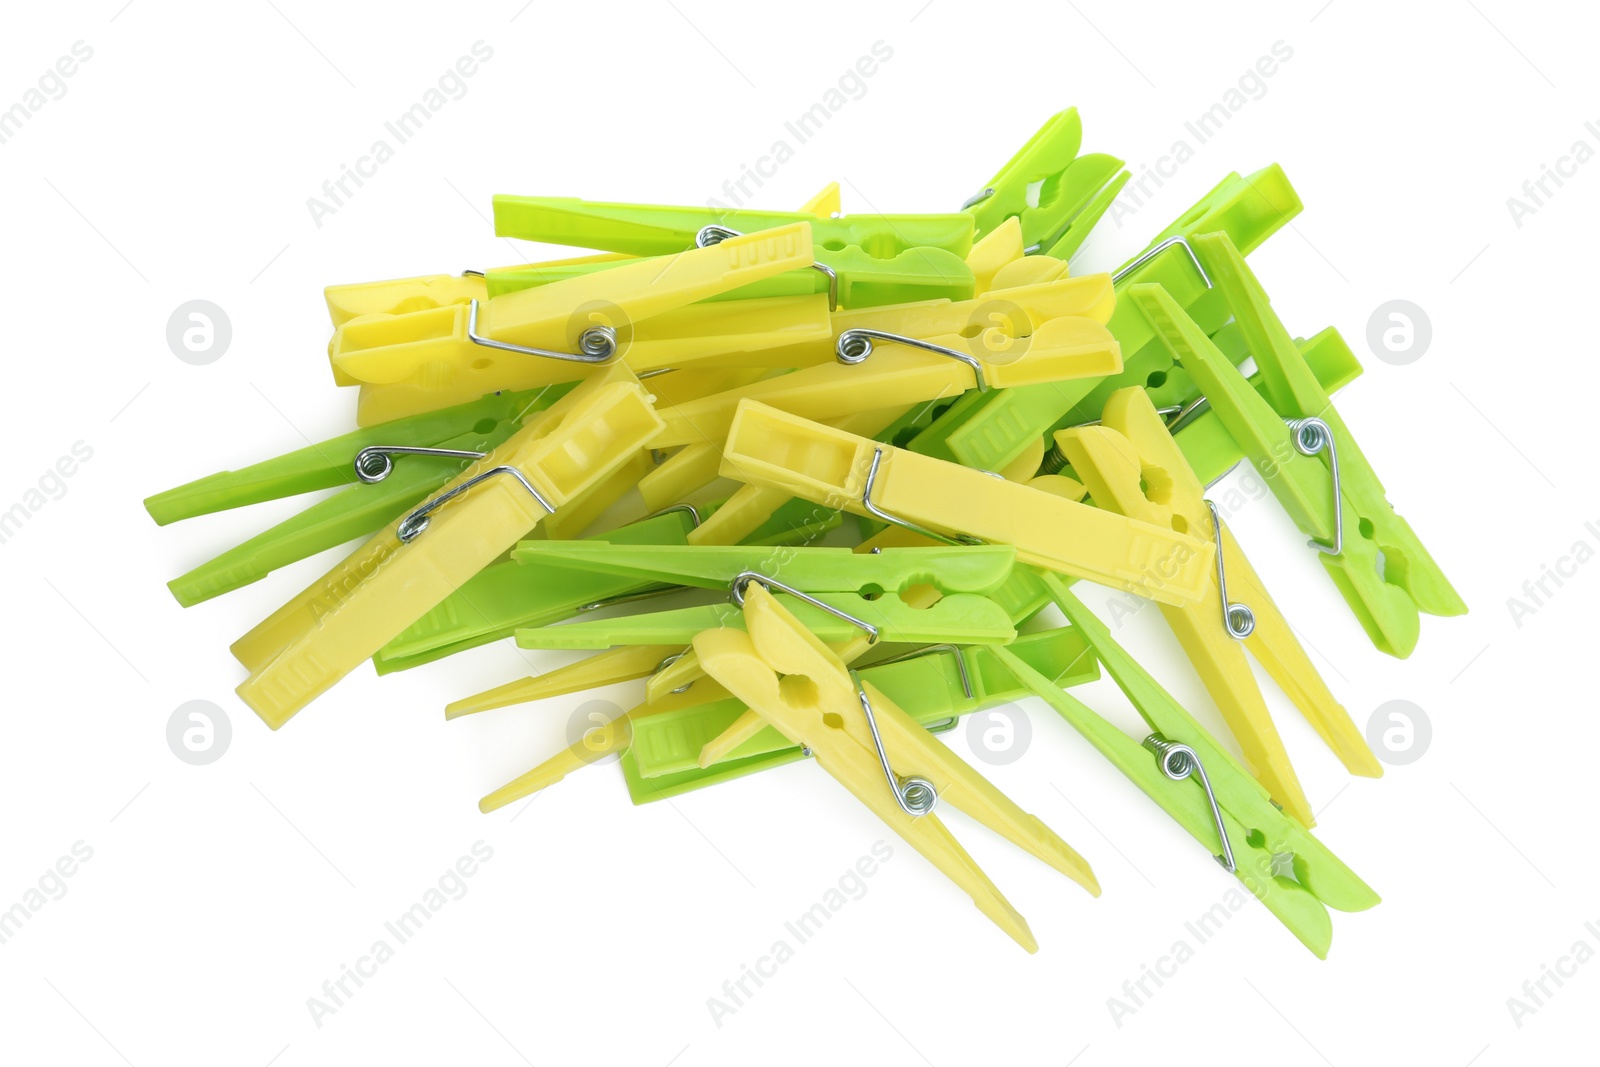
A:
(875, 750)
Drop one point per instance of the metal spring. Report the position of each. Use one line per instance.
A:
(413, 524)
(915, 795)
(1179, 761)
(744, 578)
(669, 661)
(374, 465)
(1311, 436)
(595, 345)
(1238, 618)
(855, 345)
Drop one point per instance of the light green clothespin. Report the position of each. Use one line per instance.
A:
(935, 685)
(1307, 456)
(1278, 861)
(431, 449)
(1055, 194)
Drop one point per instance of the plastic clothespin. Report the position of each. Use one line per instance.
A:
(876, 751)
(421, 558)
(929, 496)
(990, 431)
(433, 358)
(935, 685)
(660, 740)
(385, 469)
(1308, 457)
(1055, 195)
(868, 259)
(1132, 449)
(507, 596)
(905, 374)
(399, 295)
(1277, 859)
(850, 281)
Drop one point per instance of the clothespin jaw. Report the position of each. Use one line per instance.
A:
(1276, 858)
(1055, 194)
(859, 737)
(841, 470)
(557, 332)
(423, 557)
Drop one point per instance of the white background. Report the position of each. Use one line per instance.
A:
(219, 898)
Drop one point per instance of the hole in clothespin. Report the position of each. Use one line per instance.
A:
(797, 690)
(482, 364)
(833, 720)
(871, 591)
(1156, 380)
(484, 425)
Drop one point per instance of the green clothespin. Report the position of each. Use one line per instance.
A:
(989, 430)
(1278, 861)
(870, 259)
(1055, 194)
(963, 569)
(507, 596)
(1307, 455)
(378, 490)
(935, 685)
(962, 618)
(854, 279)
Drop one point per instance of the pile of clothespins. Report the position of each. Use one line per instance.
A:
(995, 427)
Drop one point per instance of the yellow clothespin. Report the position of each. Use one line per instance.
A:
(944, 500)
(1132, 448)
(1002, 321)
(908, 372)
(876, 751)
(423, 360)
(424, 556)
